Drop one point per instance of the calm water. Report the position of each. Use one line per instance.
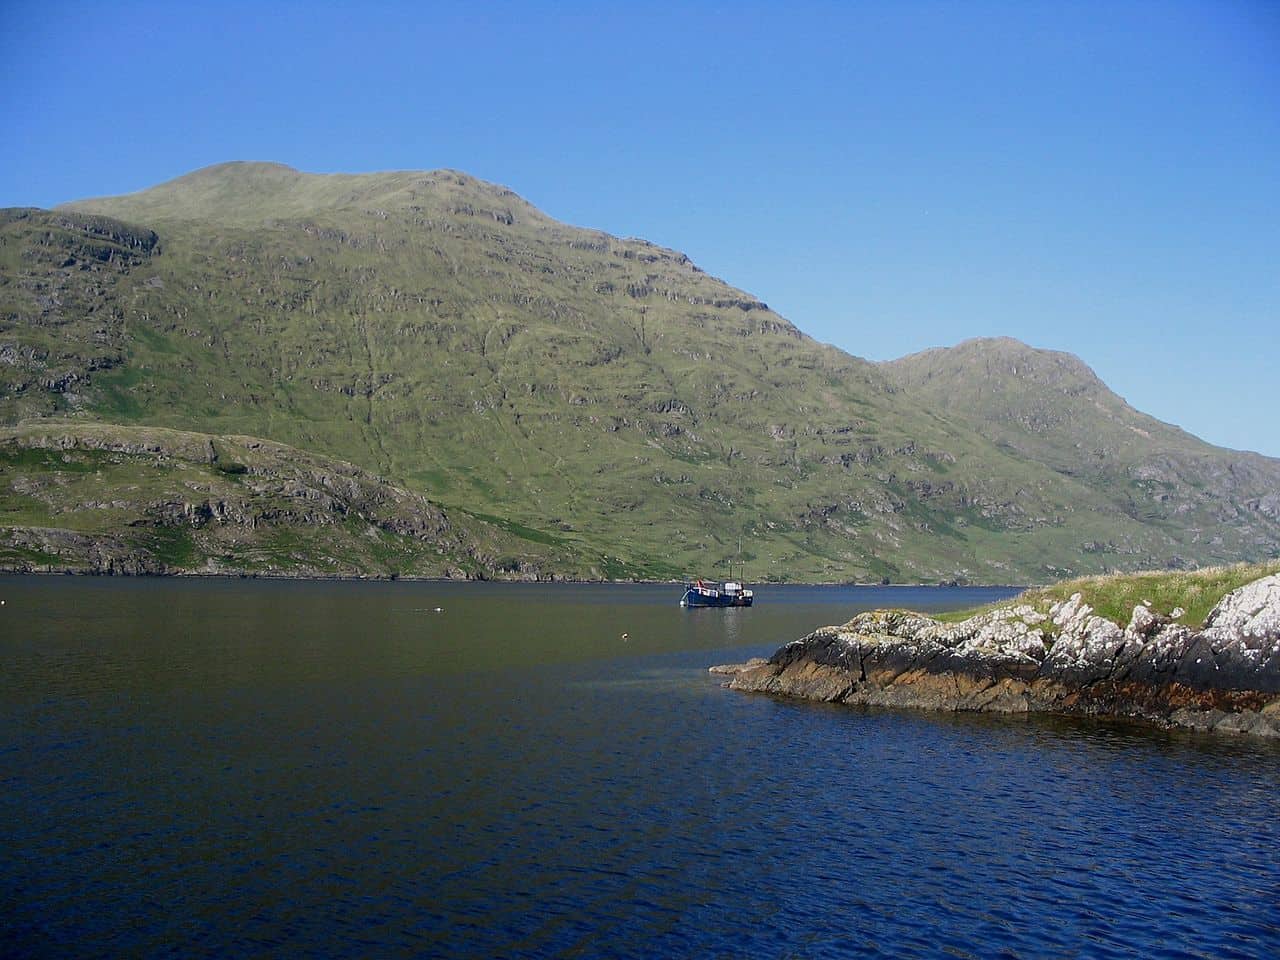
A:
(206, 768)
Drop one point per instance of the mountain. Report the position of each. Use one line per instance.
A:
(1049, 407)
(603, 400)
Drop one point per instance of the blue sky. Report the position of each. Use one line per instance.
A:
(1102, 178)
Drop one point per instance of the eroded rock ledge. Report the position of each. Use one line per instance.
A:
(1067, 660)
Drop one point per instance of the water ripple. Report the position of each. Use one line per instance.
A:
(192, 799)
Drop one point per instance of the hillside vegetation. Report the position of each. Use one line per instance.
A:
(602, 400)
(1049, 407)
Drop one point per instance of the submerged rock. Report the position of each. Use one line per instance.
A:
(1016, 659)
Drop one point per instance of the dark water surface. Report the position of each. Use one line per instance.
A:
(211, 768)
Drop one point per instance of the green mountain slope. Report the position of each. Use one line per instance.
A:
(1049, 407)
(600, 394)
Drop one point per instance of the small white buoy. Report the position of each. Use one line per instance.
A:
(626, 636)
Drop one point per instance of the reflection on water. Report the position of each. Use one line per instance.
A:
(289, 768)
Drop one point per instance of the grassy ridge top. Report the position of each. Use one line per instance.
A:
(248, 193)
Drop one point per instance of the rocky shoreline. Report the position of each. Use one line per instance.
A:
(1224, 676)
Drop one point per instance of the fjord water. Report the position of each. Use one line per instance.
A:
(210, 768)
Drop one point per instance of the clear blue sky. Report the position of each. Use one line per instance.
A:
(1100, 177)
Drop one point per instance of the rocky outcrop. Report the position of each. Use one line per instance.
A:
(1067, 660)
(43, 549)
(124, 500)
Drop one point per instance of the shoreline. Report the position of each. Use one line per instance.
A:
(1223, 675)
(414, 578)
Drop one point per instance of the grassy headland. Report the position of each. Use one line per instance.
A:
(1194, 592)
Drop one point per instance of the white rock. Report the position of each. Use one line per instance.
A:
(1070, 613)
(1003, 636)
(1142, 623)
(1252, 612)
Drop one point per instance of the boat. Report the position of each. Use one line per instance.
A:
(728, 593)
(723, 593)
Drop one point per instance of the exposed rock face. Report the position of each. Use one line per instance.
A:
(1251, 613)
(1016, 660)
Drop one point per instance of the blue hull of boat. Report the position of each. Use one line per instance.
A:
(692, 598)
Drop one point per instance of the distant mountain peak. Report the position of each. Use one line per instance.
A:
(998, 359)
(245, 166)
(251, 193)
(1048, 404)
(1002, 346)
